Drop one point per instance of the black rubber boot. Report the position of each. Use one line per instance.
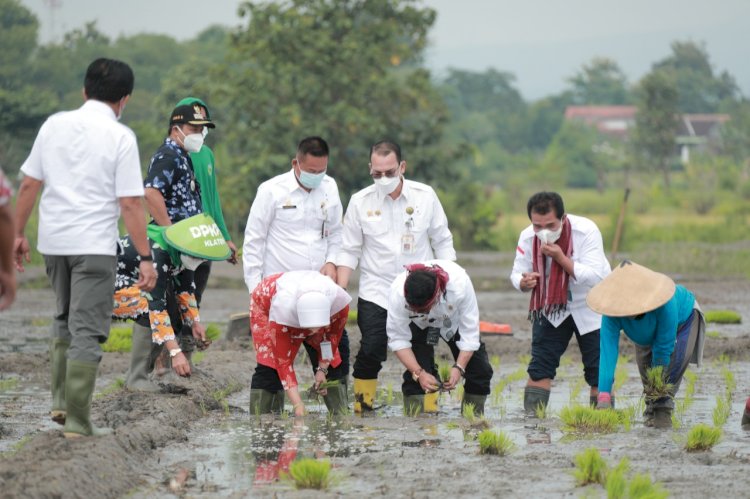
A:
(476, 400)
(58, 368)
(79, 390)
(336, 399)
(533, 397)
(746, 416)
(662, 417)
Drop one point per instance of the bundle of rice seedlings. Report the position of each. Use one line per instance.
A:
(120, 340)
(213, 332)
(702, 437)
(723, 317)
(722, 410)
(590, 467)
(310, 473)
(585, 419)
(616, 482)
(656, 386)
(642, 486)
(496, 443)
(444, 371)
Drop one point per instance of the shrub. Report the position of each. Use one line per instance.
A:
(310, 473)
(702, 437)
(496, 443)
(723, 317)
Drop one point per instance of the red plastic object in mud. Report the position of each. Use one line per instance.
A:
(495, 328)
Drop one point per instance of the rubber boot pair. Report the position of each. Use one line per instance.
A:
(534, 398)
(364, 394)
(137, 377)
(336, 399)
(58, 367)
(657, 417)
(266, 402)
(475, 400)
(80, 380)
(421, 403)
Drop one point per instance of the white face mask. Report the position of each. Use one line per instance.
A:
(122, 108)
(386, 185)
(547, 236)
(192, 142)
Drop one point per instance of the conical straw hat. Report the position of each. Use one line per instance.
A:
(629, 290)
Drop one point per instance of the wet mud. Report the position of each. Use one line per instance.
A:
(198, 439)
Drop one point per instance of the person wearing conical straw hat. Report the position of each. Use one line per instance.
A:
(559, 258)
(662, 319)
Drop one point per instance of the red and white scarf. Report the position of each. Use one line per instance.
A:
(550, 297)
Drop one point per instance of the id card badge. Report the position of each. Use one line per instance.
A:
(326, 351)
(407, 244)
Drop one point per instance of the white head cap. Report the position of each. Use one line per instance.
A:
(313, 310)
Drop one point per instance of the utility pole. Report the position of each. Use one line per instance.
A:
(52, 5)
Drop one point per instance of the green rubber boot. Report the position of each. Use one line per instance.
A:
(266, 402)
(58, 366)
(140, 356)
(533, 397)
(476, 400)
(336, 399)
(79, 390)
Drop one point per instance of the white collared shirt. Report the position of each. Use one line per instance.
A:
(292, 285)
(590, 265)
(86, 160)
(374, 229)
(291, 229)
(456, 311)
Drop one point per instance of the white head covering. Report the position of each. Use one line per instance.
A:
(313, 309)
(293, 285)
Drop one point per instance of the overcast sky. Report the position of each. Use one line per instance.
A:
(543, 42)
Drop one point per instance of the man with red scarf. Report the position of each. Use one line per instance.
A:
(429, 301)
(559, 258)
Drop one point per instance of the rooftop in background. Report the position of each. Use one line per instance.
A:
(609, 120)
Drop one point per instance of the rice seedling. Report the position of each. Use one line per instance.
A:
(575, 390)
(113, 387)
(621, 376)
(41, 321)
(656, 386)
(585, 419)
(197, 357)
(723, 360)
(8, 384)
(713, 334)
(213, 332)
(590, 467)
(310, 473)
(517, 375)
(119, 340)
(468, 412)
(616, 483)
(541, 411)
(702, 437)
(524, 359)
(721, 411)
(729, 380)
(642, 487)
(723, 317)
(495, 443)
(444, 371)
(389, 394)
(495, 362)
(497, 392)
(452, 425)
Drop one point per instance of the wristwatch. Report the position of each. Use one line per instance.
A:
(460, 369)
(174, 351)
(146, 258)
(322, 369)
(415, 375)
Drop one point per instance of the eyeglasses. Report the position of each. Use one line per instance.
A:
(390, 173)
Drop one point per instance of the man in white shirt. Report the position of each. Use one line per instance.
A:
(295, 224)
(89, 166)
(559, 258)
(390, 224)
(429, 301)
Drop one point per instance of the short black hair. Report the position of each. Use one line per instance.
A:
(108, 80)
(314, 146)
(386, 147)
(419, 287)
(544, 202)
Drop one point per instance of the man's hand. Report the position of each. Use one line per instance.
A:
(147, 276)
(428, 382)
(21, 252)
(233, 257)
(329, 270)
(453, 380)
(320, 378)
(552, 250)
(181, 365)
(529, 280)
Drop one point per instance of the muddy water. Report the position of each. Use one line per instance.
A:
(233, 454)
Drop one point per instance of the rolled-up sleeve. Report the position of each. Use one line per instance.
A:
(397, 324)
(469, 320)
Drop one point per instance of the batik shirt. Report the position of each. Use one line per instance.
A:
(171, 173)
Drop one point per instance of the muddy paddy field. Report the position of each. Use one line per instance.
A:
(198, 440)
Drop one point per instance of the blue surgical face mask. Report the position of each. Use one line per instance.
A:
(310, 180)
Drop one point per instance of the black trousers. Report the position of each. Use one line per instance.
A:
(373, 347)
(478, 370)
(342, 371)
(548, 343)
